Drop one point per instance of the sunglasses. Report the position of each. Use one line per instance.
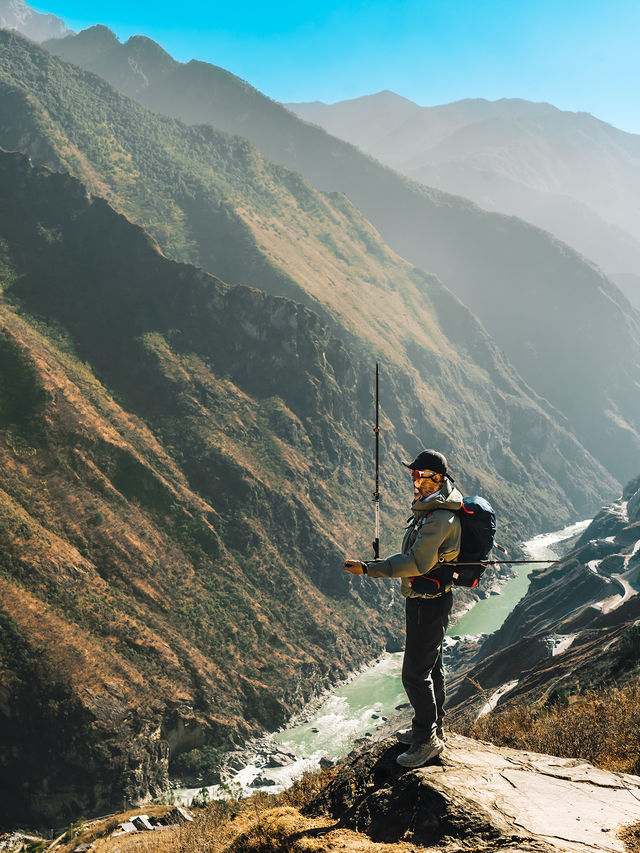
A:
(425, 475)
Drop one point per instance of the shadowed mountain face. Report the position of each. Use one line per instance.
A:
(563, 325)
(568, 173)
(212, 199)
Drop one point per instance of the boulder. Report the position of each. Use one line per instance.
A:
(235, 761)
(262, 781)
(279, 759)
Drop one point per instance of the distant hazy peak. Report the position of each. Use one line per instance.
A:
(386, 95)
(149, 45)
(97, 36)
(16, 15)
(384, 98)
(387, 99)
(98, 44)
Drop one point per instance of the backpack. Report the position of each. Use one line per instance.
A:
(478, 523)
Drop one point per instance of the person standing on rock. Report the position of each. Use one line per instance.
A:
(434, 535)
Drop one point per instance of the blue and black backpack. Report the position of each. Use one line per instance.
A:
(478, 522)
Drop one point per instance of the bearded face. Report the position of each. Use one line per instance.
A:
(425, 483)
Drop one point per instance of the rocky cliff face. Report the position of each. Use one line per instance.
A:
(575, 625)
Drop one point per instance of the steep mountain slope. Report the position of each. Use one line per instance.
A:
(576, 627)
(172, 539)
(558, 319)
(214, 200)
(569, 173)
(16, 15)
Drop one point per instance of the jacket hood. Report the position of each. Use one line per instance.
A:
(447, 497)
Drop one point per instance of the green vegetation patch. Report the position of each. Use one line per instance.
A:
(22, 397)
(135, 481)
(8, 274)
(204, 762)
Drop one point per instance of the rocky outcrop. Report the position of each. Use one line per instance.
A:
(482, 797)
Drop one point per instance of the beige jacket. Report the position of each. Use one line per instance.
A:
(434, 534)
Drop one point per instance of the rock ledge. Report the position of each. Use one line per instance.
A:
(478, 793)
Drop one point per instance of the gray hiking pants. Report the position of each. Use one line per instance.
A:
(422, 668)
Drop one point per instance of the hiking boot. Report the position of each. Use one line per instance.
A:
(419, 753)
(405, 736)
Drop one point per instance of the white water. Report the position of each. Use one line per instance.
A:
(495, 698)
(357, 708)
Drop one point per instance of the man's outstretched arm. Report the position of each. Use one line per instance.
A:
(422, 557)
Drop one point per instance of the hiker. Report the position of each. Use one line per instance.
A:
(433, 534)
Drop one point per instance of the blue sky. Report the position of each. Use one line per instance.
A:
(580, 56)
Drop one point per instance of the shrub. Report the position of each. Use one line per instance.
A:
(198, 763)
(601, 726)
(631, 643)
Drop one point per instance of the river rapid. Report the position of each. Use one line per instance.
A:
(360, 706)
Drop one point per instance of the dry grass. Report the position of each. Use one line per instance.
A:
(630, 837)
(601, 726)
(98, 832)
(263, 823)
(222, 823)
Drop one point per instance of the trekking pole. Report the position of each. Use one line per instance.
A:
(376, 494)
(500, 562)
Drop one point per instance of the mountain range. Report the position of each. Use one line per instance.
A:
(568, 173)
(186, 461)
(555, 315)
(213, 200)
(188, 336)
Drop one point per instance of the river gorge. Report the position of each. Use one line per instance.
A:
(357, 708)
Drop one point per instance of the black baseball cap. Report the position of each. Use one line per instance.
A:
(429, 460)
